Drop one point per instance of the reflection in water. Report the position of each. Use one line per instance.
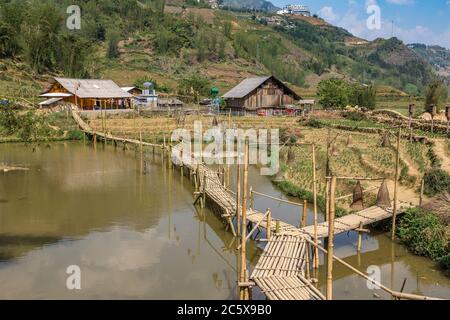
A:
(138, 235)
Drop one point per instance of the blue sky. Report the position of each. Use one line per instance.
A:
(424, 21)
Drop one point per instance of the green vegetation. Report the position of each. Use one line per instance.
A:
(436, 94)
(338, 93)
(436, 181)
(28, 126)
(119, 39)
(425, 235)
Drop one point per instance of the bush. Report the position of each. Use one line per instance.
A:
(315, 123)
(355, 116)
(423, 233)
(436, 181)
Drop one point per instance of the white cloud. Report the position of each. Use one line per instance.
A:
(354, 23)
(328, 14)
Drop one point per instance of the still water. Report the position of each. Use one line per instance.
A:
(138, 235)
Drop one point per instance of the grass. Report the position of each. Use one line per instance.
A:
(424, 234)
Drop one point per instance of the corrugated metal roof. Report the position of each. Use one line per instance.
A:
(90, 88)
(49, 101)
(248, 85)
(245, 87)
(56, 95)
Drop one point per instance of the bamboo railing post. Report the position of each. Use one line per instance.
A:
(316, 250)
(204, 192)
(327, 199)
(277, 226)
(238, 198)
(269, 225)
(305, 206)
(397, 165)
(244, 289)
(360, 236)
(307, 267)
(170, 153)
(331, 239)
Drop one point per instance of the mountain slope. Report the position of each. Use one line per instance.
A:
(261, 5)
(437, 56)
(131, 41)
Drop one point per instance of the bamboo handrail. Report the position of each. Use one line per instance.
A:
(350, 195)
(255, 227)
(277, 199)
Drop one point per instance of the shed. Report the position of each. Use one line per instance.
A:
(254, 94)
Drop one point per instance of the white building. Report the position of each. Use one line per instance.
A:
(295, 9)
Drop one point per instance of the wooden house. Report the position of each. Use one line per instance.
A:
(89, 94)
(133, 90)
(261, 94)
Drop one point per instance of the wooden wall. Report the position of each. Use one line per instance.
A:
(268, 95)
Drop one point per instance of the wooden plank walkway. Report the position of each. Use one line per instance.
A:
(280, 271)
(352, 221)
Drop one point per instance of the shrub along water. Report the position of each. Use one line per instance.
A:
(426, 235)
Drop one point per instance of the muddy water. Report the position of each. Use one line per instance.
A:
(139, 236)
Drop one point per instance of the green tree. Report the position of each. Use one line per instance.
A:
(436, 93)
(333, 93)
(194, 84)
(113, 42)
(227, 27)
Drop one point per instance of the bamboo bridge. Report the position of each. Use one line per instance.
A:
(282, 272)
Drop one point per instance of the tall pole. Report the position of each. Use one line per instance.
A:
(316, 249)
(330, 253)
(238, 197)
(244, 289)
(397, 164)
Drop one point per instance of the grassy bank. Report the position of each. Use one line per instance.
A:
(426, 235)
(294, 191)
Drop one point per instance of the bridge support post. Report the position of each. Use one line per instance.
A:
(269, 225)
(244, 292)
(397, 164)
(331, 239)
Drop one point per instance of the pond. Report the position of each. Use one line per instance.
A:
(138, 236)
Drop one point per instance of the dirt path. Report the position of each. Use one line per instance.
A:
(440, 148)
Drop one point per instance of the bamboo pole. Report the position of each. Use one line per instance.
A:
(251, 197)
(244, 289)
(331, 240)
(316, 250)
(360, 236)
(238, 198)
(327, 200)
(305, 206)
(397, 165)
(269, 225)
(204, 192)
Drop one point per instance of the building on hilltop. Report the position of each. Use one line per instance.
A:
(295, 9)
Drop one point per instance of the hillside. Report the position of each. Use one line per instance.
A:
(261, 5)
(188, 46)
(437, 56)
